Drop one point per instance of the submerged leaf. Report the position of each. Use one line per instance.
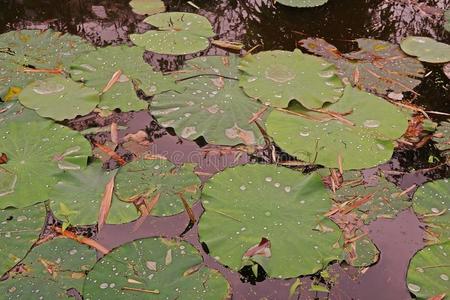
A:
(379, 67)
(302, 3)
(147, 7)
(442, 139)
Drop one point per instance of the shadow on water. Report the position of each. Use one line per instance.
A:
(259, 22)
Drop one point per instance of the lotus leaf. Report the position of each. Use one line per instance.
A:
(364, 140)
(154, 268)
(302, 3)
(432, 203)
(59, 98)
(50, 270)
(14, 111)
(147, 7)
(277, 77)
(34, 161)
(211, 106)
(379, 67)
(177, 33)
(269, 215)
(429, 272)
(158, 182)
(29, 55)
(380, 199)
(442, 138)
(19, 229)
(76, 197)
(124, 67)
(426, 49)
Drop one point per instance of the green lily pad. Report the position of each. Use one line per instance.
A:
(269, 215)
(447, 20)
(211, 106)
(77, 196)
(34, 161)
(16, 112)
(378, 67)
(381, 199)
(177, 33)
(442, 139)
(19, 229)
(147, 7)
(321, 139)
(302, 3)
(50, 270)
(23, 50)
(426, 49)
(59, 98)
(432, 203)
(98, 67)
(146, 179)
(363, 251)
(429, 272)
(277, 77)
(154, 268)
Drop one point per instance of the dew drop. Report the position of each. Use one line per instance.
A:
(287, 189)
(305, 134)
(268, 179)
(413, 288)
(242, 188)
(444, 277)
(435, 210)
(371, 123)
(46, 88)
(104, 285)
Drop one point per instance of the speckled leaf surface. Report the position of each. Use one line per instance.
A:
(59, 98)
(154, 268)
(447, 20)
(34, 162)
(429, 272)
(384, 199)
(431, 203)
(442, 139)
(211, 106)
(321, 139)
(277, 77)
(302, 3)
(14, 111)
(362, 252)
(247, 204)
(19, 229)
(97, 68)
(146, 179)
(426, 49)
(39, 49)
(379, 67)
(50, 270)
(147, 7)
(177, 33)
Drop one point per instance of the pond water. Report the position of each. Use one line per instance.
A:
(261, 23)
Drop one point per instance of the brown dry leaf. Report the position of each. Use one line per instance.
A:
(115, 77)
(105, 205)
(237, 46)
(218, 82)
(151, 265)
(114, 133)
(140, 137)
(261, 249)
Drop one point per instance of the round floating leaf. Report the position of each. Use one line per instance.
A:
(302, 3)
(147, 7)
(442, 139)
(379, 199)
(432, 203)
(178, 33)
(429, 272)
(362, 252)
(124, 68)
(426, 49)
(159, 183)
(277, 77)
(50, 270)
(76, 197)
(379, 67)
(59, 98)
(154, 268)
(44, 51)
(19, 229)
(269, 215)
(210, 106)
(37, 152)
(14, 111)
(364, 140)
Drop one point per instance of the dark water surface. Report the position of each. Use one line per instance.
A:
(258, 22)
